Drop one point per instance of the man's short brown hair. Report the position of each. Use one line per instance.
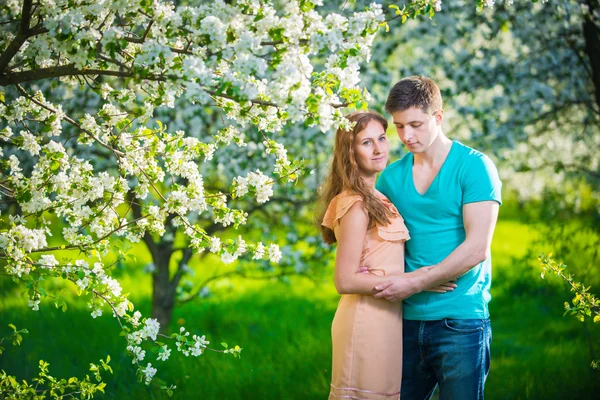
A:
(414, 91)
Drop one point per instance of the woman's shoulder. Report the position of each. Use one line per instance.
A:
(339, 206)
(348, 194)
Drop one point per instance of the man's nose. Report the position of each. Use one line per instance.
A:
(406, 134)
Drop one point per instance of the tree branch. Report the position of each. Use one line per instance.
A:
(25, 16)
(592, 43)
(71, 70)
(71, 121)
(66, 70)
(137, 214)
(21, 37)
(241, 274)
(274, 43)
(72, 247)
(259, 102)
(580, 168)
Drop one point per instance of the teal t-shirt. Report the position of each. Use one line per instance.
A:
(435, 223)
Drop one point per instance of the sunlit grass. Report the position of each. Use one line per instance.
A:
(284, 329)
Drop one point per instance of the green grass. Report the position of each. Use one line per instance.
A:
(285, 332)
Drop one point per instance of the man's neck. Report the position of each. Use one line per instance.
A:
(436, 154)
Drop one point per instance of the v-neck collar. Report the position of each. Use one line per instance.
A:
(412, 178)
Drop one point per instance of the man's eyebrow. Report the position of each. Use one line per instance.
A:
(409, 122)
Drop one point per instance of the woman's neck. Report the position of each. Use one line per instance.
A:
(370, 181)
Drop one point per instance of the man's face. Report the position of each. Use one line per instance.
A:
(417, 129)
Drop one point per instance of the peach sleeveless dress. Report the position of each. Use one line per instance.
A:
(367, 332)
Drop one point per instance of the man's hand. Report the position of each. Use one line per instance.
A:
(401, 286)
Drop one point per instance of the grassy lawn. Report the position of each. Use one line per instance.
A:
(284, 329)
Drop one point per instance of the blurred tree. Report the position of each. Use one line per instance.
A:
(518, 81)
(522, 84)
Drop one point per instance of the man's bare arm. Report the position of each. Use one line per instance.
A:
(479, 220)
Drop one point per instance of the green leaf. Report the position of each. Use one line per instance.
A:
(54, 165)
(306, 6)
(123, 124)
(276, 34)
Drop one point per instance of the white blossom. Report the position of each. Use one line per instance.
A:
(149, 373)
(48, 261)
(215, 244)
(228, 258)
(164, 354)
(274, 253)
(34, 304)
(259, 253)
(150, 328)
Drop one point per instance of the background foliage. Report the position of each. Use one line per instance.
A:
(519, 83)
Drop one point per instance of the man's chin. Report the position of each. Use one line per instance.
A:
(415, 149)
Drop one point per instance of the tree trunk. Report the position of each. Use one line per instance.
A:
(163, 290)
(591, 34)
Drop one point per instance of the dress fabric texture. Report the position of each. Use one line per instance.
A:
(367, 332)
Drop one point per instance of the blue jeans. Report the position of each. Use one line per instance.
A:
(453, 354)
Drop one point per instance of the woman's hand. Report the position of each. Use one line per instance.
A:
(443, 288)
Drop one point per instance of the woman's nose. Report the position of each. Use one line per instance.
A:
(376, 148)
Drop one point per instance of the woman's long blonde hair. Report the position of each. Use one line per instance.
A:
(345, 174)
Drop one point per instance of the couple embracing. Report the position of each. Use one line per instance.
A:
(413, 254)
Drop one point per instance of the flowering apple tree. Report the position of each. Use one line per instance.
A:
(85, 86)
(112, 171)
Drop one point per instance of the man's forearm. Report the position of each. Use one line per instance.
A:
(461, 260)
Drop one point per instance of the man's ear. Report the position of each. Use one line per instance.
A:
(439, 117)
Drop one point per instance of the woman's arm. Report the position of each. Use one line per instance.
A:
(443, 288)
(350, 235)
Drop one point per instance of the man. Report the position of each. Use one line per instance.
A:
(449, 195)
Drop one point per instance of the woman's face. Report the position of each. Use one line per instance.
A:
(371, 149)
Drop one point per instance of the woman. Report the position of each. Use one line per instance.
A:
(370, 235)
